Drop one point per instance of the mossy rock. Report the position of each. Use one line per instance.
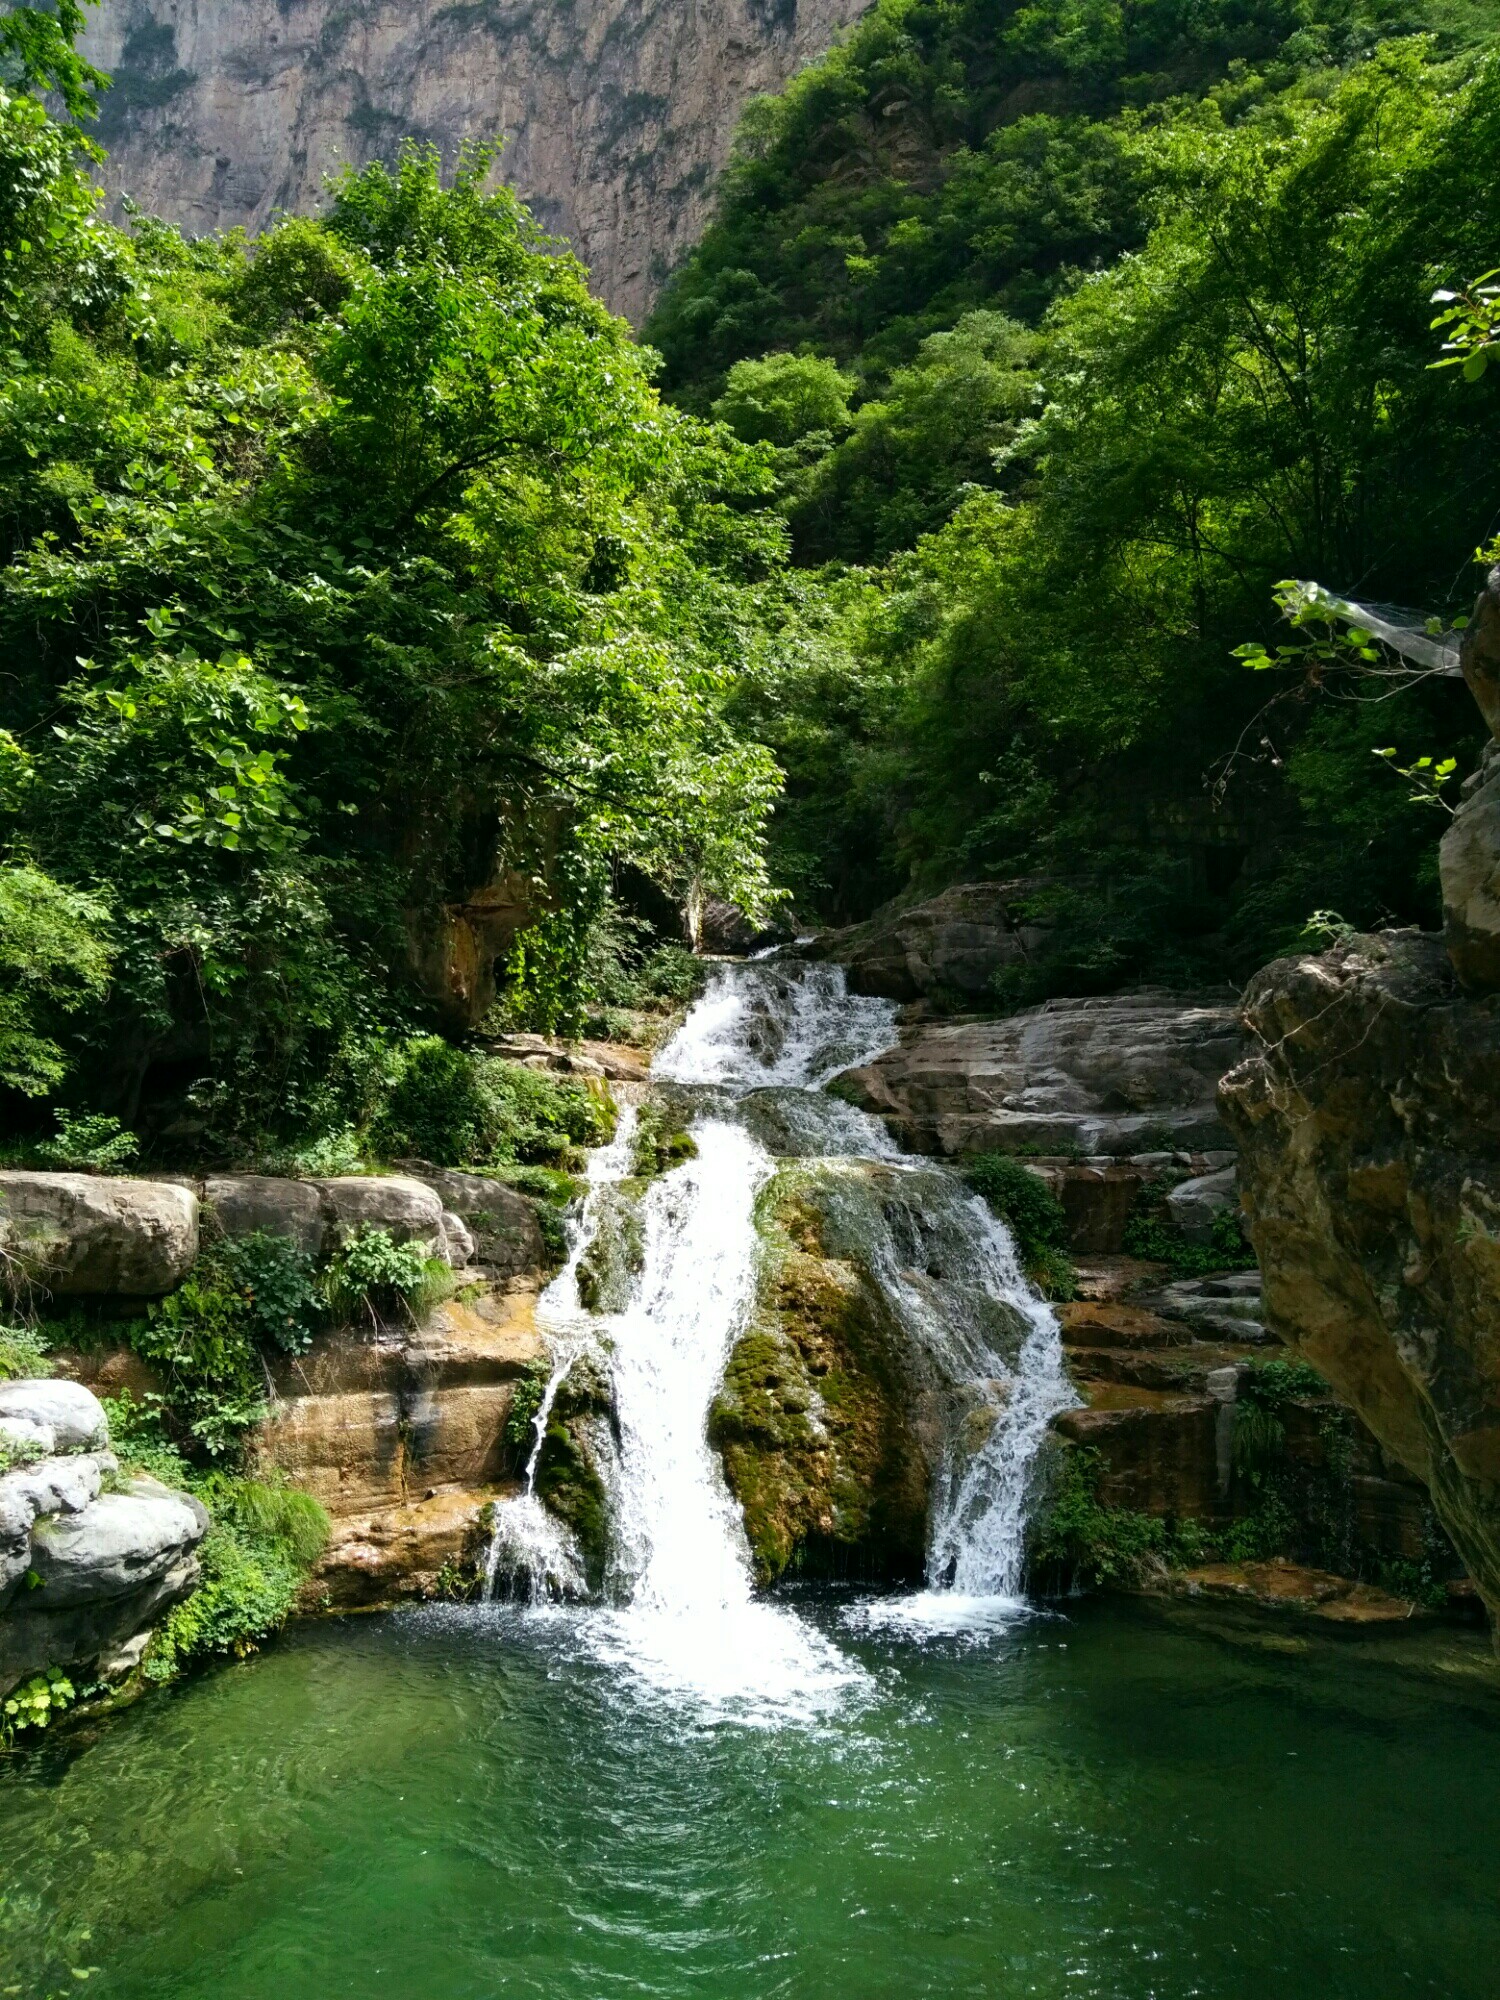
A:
(814, 1422)
(568, 1483)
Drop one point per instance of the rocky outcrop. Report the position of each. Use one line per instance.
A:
(948, 948)
(87, 1566)
(827, 1444)
(1369, 1126)
(1469, 871)
(1097, 1076)
(617, 114)
(1177, 1432)
(82, 1235)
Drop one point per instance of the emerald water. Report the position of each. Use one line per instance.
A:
(447, 1805)
(685, 1788)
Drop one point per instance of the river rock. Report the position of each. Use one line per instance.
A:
(248, 1204)
(1091, 1076)
(502, 1224)
(1369, 1126)
(953, 944)
(85, 1235)
(72, 1415)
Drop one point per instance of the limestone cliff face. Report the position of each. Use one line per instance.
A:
(617, 113)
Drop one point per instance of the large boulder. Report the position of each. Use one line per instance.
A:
(407, 1209)
(951, 945)
(1114, 1076)
(252, 1204)
(113, 1547)
(82, 1235)
(1194, 1205)
(1369, 1126)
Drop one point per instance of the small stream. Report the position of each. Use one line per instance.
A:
(752, 1060)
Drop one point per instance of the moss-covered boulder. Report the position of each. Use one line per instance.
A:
(818, 1429)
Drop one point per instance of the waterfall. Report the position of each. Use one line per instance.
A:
(532, 1554)
(681, 1615)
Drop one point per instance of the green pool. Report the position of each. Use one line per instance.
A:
(451, 1805)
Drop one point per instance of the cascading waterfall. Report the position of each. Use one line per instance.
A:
(753, 1056)
(531, 1553)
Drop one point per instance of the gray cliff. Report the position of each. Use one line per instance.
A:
(617, 114)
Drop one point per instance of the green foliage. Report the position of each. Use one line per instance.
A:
(1151, 1235)
(1039, 681)
(374, 1274)
(1034, 1216)
(525, 1402)
(283, 1304)
(53, 960)
(139, 1438)
(1079, 1541)
(265, 1537)
(780, 399)
(23, 1353)
(34, 1703)
(201, 1337)
(94, 1143)
(458, 1109)
(342, 574)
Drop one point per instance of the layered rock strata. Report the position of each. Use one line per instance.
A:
(617, 114)
(1117, 1076)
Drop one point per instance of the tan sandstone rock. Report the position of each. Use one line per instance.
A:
(1369, 1127)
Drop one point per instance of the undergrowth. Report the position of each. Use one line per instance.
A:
(265, 1537)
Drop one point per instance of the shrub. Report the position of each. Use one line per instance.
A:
(283, 1304)
(1151, 1236)
(266, 1536)
(202, 1337)
(23, 1352)
(458, 1109)
(375, 1276)
(82, 1145)
(253, 1561)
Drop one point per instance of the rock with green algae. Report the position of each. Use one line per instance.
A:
(825, 1446)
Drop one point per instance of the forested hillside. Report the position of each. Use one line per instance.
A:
(379, 648)
(1085, 326)
(362, 611)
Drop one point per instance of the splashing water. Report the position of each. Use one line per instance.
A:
(683, 1620)
(532, 1554)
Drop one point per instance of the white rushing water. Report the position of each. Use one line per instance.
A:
(681, 1615)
